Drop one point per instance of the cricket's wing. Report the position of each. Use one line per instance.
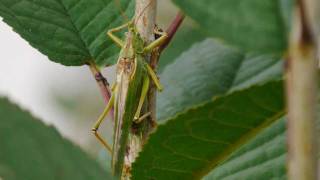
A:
(120, 100)
(126, 102)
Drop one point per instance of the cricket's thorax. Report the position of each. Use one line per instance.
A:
(132, 47)
(126, 66)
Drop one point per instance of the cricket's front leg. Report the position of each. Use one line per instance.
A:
(102, 117)
(115, 38)
(156, 43)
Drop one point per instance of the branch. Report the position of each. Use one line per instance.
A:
(302, 96)
(102, 83)
(171, 31)
(174, 26)
(145, 16)
(145, 13)
(154, 60)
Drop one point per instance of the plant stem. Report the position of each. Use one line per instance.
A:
(174, 26)
(145, 13)
(155, 56)
(301, 72)
(102, 83)
(145, 16)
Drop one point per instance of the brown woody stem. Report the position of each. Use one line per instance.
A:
(145, 23)
(171, 31)
(102, 84)
(302, 83)
(145, 16)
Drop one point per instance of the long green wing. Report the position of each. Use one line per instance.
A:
(127, 99)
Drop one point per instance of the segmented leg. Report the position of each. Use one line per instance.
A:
(154, 77)
(156, 43)
(145, 88)
(115, 38)
(144, 92)
(141, 118)
(102, 117)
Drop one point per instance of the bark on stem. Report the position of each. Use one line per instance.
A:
(301, 97)
(145, 13)
(101, 81)
(174, 26)
(145, 16)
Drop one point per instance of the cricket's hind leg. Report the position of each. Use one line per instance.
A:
(156, 43)
(102, 117)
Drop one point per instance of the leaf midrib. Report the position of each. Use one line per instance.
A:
(73, 24)
(212, 163)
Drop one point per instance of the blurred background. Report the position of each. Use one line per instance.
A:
(68, 97)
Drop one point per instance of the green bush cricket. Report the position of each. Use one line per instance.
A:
(129, 92)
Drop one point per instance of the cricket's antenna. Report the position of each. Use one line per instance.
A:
(123, 14)
(144, 9)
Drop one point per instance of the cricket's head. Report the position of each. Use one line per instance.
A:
(127, 57)
(128, 50)
(131, 27)
(134, 37)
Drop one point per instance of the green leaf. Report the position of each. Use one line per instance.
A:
(209, 69)
(192, 143)
(262, 158)
(249, 24)
(202, 128)
(70, 32)
(180, 43)
(31, 150)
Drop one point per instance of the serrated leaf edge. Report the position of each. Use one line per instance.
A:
(222, 157)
